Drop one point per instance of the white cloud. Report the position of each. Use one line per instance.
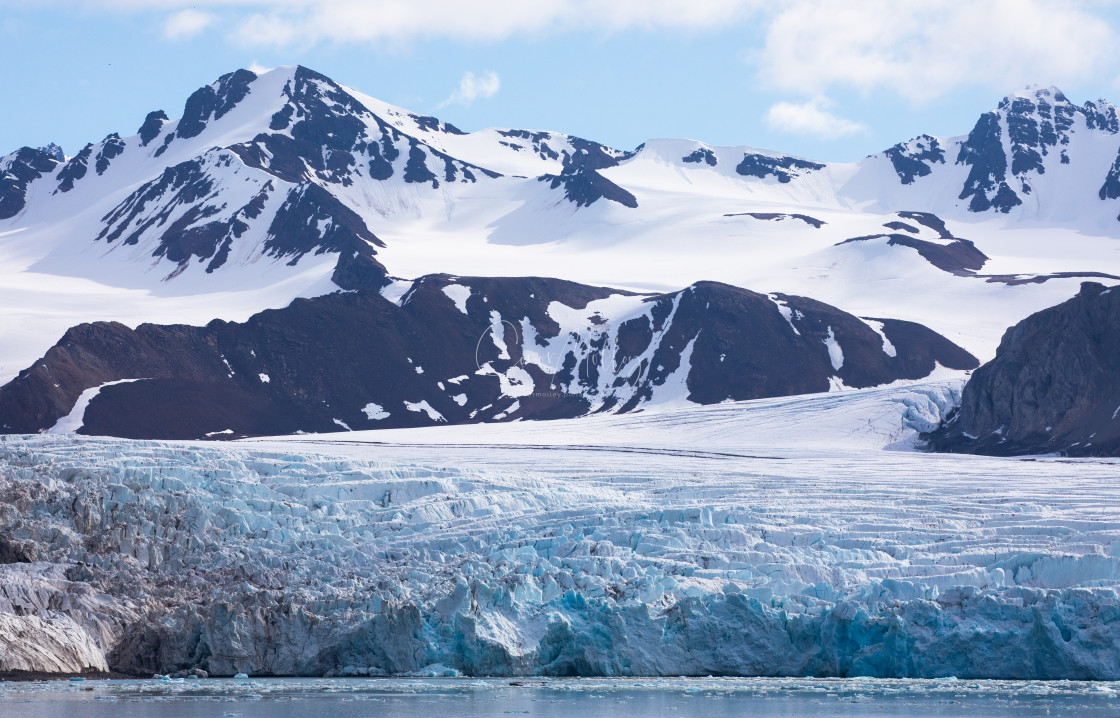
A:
(186, 23)
(398, 22)
(924, 50)
(917, 50)
(258, 69)
(811, 118)
(472, 88)
(266, 30)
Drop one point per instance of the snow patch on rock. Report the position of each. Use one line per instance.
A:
(424, 407)
(835, 353)
(73, 421)
(458, 294)
(374, 412)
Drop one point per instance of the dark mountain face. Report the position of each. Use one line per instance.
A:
(960, 257)
(916, 158)
(357, 360)
(986, 184)
(310, 220)
(198, 210)
(580, 178)
(779, 217)
(1036, 126)
(323, 133)
(1054, 385)
(209, 103)
(17, 171)
(784, 169)
(54, 151)
(701, 155)
(152, 127)
(584, 187)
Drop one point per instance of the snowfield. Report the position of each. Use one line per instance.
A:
(794, 536)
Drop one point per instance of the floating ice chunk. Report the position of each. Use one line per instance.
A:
(264, 378)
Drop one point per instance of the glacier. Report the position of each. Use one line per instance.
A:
(801, 536)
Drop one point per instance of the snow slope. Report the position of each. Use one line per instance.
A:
(710, 540)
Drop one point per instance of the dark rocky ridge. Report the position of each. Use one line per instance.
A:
(779, 216)
(321, 133)
(583, 184)
(53, 150)
(584, 187)
(1053, 386)
(209, 103)
(915, 158)
(309, 221)
(783, 168)
(960, 257)
(1036, 125)
(153, 125)
(322, 361)
(702, 154)
(74, 169)
(986, 183)
(24, 166)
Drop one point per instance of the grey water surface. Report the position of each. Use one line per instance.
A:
(469, 697)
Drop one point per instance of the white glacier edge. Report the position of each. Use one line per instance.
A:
(774, 537)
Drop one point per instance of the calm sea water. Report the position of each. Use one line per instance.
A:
(468, 697)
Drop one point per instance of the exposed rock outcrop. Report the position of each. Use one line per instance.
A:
(1054, 385)
(459, 350)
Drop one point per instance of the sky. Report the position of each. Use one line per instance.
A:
(830, 80)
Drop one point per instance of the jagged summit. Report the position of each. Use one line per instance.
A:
(54, 151)
(1036, 92)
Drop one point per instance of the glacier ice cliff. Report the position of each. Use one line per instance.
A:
(326, 558)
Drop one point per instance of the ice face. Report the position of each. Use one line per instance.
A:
(765, 538)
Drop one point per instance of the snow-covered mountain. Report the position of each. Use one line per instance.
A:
(287, 184)
(1036, 156)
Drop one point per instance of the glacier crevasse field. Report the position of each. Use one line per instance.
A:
(800, 536)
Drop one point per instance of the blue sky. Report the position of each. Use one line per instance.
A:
(823, 79)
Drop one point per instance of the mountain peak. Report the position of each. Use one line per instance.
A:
(53, 150)
(1037, 95)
